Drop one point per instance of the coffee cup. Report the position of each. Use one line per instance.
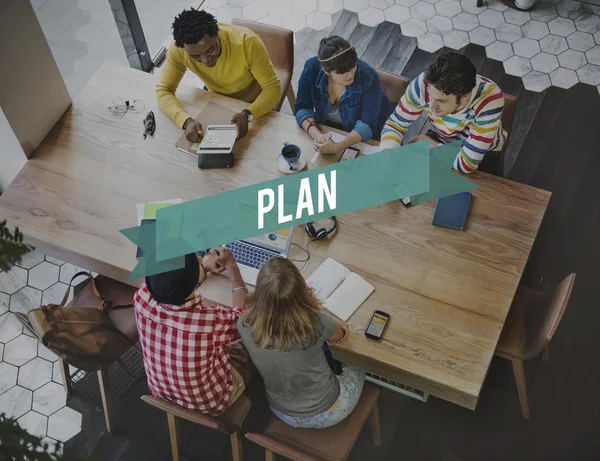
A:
(291, 153)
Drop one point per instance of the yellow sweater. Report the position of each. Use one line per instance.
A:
(243, 71)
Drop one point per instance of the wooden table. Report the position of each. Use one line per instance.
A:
(448, 292)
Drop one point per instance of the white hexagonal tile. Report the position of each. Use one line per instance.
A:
(318, 20)
(517, 66)
(406, 3)
(572, 59)
(496, 5)
(439, 25)
(397, 14)
(456, 39)
(433, 2)
(371, 17)
(52, 260)
(381, 4)
(516, 17)
(580, 41)
(26, 299)
(13, 280)
(562, 26)
(10, 327)
(544, 12)
(56, 374)
(422, 11)
(413, 28)
(31, 259)
(597, 37)
(43, 275)
(570, 9)
(228, 13)
(553, 44)
(482, 36)
(536, 81)
(20, 350)
(356, 5)
(508, 33)
(544, 62)
(526, 48)
(305, 7)
(589, 74)
(8, 376)
(465, 21)
(34, 423)
(55, 293)
(49, 399)
(491, 18)
(64, 424)
(563, 78)
(471, 7)
(215, 4)
(593, 55)
(240, 3)
(35, 373)
(330, 6)
(294, 22)
(68, 271)
(255, 11)
(430, 42)
(535, 30)
(448, 8)
(46, 353)
(15, 402)
(4, 302)
(271, 21)
(500, 51)
(1, 352)
(588, 23)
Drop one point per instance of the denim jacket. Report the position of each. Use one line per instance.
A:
(364, 106)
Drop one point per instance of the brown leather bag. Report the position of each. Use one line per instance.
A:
(84, 337)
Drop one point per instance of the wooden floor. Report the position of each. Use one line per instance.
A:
(554, 145)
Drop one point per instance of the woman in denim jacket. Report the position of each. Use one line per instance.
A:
(339, 89)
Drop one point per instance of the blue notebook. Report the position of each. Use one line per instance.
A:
(451, 211)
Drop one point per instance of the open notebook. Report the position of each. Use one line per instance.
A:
(341, 290)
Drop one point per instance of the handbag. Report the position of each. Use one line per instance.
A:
(84, 337)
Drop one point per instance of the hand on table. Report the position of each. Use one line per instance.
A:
(326, 147)
(193, 130)
(218, 260)
(345, 328)
(241, 121)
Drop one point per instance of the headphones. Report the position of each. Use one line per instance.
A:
(322, 233)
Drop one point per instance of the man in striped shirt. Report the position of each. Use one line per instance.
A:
(460, 105)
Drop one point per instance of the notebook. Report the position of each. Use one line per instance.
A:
(451, 211)
(341, 290)
(212, 114)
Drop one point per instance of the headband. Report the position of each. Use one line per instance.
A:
(336, 55)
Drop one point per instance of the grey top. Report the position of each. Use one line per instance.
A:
(298, 382)
(334, 114)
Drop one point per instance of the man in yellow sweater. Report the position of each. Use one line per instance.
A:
(230, 60)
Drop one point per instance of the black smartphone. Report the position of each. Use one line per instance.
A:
(349, 154)
(377, 325)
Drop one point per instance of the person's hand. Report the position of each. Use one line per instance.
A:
(322, 138)
(211, 263)
(241, 121)
(328, 147)
(193, 130)
(223, 257)
(345, 328)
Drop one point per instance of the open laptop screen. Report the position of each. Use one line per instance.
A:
(278, 241)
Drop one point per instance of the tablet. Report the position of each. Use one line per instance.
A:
(451, 211)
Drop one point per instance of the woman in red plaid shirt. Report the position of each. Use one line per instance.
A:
(188, 356)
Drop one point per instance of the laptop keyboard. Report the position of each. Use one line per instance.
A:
(249, 255)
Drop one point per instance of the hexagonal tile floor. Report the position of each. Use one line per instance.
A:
(31, 388)
(558, 43)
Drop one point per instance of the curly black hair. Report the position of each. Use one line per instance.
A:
(452, 73)
(331, 46)
(192, 25)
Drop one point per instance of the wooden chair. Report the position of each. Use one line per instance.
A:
(280, 46)
(331, 444)
(228, 422)
(394, 85)
(533, 318)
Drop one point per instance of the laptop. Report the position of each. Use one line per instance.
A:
(251, 253)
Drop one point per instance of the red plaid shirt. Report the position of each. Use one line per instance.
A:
(185, 353)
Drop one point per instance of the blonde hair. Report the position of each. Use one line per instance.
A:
(282, 311)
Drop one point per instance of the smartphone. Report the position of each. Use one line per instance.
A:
(377, 325)
(406, 201)
(349, 154)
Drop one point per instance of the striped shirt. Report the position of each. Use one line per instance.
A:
(478, 125)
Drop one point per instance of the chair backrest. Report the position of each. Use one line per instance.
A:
(553, 314)
(278, 42)
(394, 85)
(508, 116)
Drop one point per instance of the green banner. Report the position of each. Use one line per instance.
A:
(412, 170)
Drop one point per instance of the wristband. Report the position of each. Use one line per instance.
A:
(311, 124)
(238, 288)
